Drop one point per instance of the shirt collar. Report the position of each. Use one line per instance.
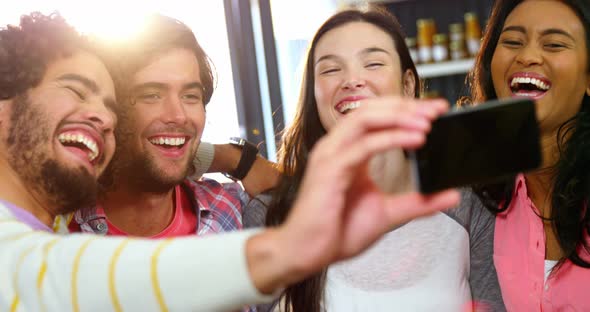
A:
(197, 193)
(26, 217)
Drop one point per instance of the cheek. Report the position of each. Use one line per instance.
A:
(497, 71)
(389, 84)
(199, 117)
(323, 89)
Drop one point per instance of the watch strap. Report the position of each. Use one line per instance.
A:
(249, 153)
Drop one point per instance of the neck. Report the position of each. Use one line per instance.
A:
(139, 213)
(540, 181)
(391, 172)
(15, 191)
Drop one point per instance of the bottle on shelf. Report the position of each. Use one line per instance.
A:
(472, 33)
(457, 41)
(457, 50)
(440, 48)
(426, 31)
(430, 94)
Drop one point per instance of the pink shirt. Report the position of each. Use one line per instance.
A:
(183, 223)
(519, 257)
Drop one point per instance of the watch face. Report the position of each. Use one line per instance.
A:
(237, 141)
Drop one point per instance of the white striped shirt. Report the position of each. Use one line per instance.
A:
(41, 271)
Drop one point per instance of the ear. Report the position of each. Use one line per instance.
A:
(409, 83)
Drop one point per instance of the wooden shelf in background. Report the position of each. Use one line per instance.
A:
(445, 68)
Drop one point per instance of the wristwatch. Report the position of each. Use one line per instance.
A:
(249, 152)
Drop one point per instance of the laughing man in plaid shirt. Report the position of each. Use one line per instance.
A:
(164, 84)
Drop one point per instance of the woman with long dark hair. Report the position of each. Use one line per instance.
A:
(357, 59)
(541, 49)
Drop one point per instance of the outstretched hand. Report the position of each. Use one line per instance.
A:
(339, 211)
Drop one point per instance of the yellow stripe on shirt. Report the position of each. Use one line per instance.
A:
(14, 303)
(112, 267)
(56, 224)
(42, 271)
(154, 275)
(75, 268)
(21, 259)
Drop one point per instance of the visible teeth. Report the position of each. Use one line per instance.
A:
(80, 138)
(168, 141)
(349, 106)
(525, 80)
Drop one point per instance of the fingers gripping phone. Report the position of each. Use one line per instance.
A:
(478, 144)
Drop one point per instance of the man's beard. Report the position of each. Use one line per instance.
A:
(135, 169)
(63, 189)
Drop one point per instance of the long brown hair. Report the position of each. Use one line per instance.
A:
(571, 182)
(307, 129)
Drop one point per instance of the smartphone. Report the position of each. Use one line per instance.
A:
(478, 144)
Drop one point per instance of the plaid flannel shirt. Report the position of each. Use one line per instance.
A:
(219, 208)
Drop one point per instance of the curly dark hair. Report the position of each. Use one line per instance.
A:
(26, 50)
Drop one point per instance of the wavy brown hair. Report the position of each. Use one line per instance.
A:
(307, 129)
(571, 180)
(159, 35)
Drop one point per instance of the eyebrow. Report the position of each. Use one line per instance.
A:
(89, 84)
(373, 50)
(363, 52)
(159, 85)
(109, 102)
(550, 31)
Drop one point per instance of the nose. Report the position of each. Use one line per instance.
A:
(101, 116)
(353, 81)
(174, 111)
(529, 55)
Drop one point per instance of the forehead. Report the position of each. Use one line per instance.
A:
(83, 64)
(536, 12)
(175, 66)
(353, 37)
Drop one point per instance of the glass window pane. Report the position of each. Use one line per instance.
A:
(295, 23)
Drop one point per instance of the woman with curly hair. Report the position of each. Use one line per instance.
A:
(541, 50)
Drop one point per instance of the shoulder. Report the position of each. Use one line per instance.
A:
(5, 212)
(212, 193)
(470, 212)
(211, 185)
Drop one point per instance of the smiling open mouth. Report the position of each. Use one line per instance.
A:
(169, 142)
(82, 142)
(348, 107)
(526, 86)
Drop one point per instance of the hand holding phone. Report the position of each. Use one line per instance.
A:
(478, 144)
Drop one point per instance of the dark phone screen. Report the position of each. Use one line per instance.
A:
(479, 144)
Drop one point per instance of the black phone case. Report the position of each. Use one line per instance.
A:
(478, 144)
